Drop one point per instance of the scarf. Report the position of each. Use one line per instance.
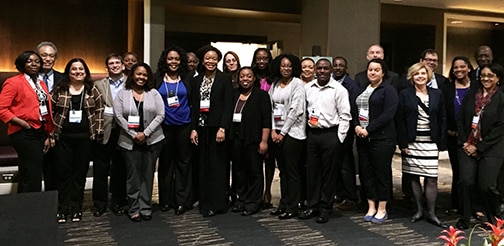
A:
(481, 102)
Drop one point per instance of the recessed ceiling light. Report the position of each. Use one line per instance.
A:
(398, 0)
(456, 22)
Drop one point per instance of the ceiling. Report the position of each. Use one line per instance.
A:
(493, 6)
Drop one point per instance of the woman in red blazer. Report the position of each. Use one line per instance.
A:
(25, 106)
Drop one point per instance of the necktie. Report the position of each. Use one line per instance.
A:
(45, 78)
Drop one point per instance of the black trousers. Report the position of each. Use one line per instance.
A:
(451, 145)
(322, 160)
(290, 159)
(247, 167)
(346, 186)
(29, 145)
(479, 176)
(49, 171)
(175, 167)
(109, 161)
(375, 165)
(73, 153)
(212, 171)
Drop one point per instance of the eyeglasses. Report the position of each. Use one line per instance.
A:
(488, 76)
(430, 60)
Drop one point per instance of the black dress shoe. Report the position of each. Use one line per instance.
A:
(117, 210)
(323, 217)
(77, 217)
(180, 210)
(208, 213)
(146, 217)
(61, 218)
(277, 211)
(462, 224)
(98, 212)
(237, 209)
(135, 218)
(248, 213)
(416, 218)
(165, 208)
(437, 222)
(308, 214)
(286, 216)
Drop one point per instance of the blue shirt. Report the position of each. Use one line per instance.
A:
(180, 115)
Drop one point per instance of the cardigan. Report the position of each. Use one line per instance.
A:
(491, 122)
(256, 115)
(153, 116)
(407, 117)
(383, 104)
(93, 104)
(18, 99)
(295, 109)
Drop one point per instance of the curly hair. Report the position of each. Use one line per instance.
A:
(65, 80)
(162, 67)
(22, 58)
(466, 61)
(149, 84)
(275, 66)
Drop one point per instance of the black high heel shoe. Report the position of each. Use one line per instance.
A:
(435, 221)
(416, 218)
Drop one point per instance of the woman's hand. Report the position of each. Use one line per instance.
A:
(221, 136)
(194, 137)
(47, 144)
(470, 149)
(263, 147)
(405, 151)
(139, 138)
(361, 132)
(452, 133)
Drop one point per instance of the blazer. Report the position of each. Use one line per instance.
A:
(383, 104)
(492, 124)
(256, 115)
(153, 116)
(18, 99)
(295, 109)
(221, 101)
(93, 104)
(449, 95)
(407, 117)
(103, 86)
(353, 91)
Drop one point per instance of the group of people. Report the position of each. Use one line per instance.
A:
(201, 125)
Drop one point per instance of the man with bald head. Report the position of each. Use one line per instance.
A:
(483, 56)
(376, 51)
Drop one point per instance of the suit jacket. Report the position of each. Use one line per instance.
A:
(407, 117)
(221, 101)
(353, 91)
(256, 115)
(153, 116)
(391, 79)
(491, 122)
(57, 78)
(18, 99)
(449, 97)
(103, 86)
(383, 104)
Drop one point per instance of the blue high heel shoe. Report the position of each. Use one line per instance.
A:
(379, 220)
(368, 218)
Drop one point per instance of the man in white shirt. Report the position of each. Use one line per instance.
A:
(328, 108)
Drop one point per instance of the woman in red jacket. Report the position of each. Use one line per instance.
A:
(25, 106)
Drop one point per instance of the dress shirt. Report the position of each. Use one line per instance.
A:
(433, 83)
(331, 104)
(50, 79)
(116, 86)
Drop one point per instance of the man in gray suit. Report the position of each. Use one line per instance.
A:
(106, 154)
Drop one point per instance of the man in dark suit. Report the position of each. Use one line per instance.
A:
(49, 52)
(375, 51)
(346, 187)
(483, 56)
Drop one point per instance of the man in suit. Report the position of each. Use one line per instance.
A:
(49, 52)
(483, 56)
(346, 187)
(106, 153)
(429, 57)
(376, 51)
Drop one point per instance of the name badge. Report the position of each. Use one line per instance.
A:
(205, 106)
(363, 115)
(314, 118)
(237, 117)
(475, 121)
(278, 112)
(75, 116)
(133, 122)
(109, 111)
(43, 110)
(173, 102)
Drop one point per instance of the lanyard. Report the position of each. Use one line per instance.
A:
(166, 89)
(237, 101)
(132, 102)
(80, 103)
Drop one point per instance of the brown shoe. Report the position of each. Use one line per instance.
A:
(346, 205)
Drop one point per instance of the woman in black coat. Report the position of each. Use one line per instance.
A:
(250, 131)
(421, 135)
(481, 141)
(211, 118)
